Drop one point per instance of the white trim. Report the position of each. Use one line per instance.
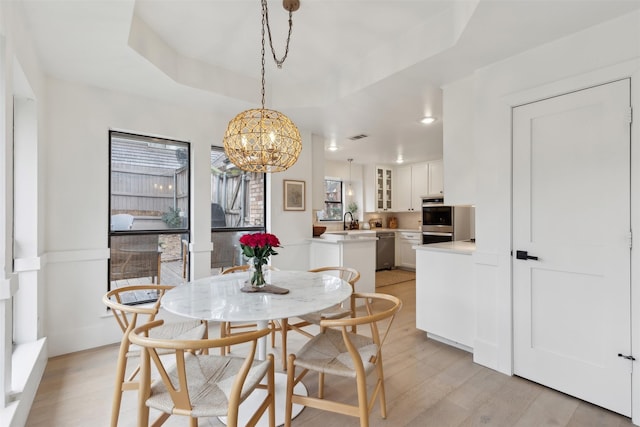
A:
(8, 287)
(197, 247)
(450, 342)
(22, 265)
(148, 135)
(76, 256)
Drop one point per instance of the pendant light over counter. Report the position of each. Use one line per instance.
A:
(263, 140)
(350, 191)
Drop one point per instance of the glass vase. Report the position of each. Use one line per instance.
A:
(257, 272)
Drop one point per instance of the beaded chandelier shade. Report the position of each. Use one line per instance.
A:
(263, 140)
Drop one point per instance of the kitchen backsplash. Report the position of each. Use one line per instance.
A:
(405, 220)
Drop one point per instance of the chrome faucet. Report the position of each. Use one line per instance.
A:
(344, 220)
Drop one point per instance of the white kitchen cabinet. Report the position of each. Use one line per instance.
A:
(436, 178)
(405, 254)
(379, 189)
(401, 193)
(445, 293)
(413, 182)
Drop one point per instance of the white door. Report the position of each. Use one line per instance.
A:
(571, 209)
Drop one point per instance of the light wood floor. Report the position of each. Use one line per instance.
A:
(428, 384)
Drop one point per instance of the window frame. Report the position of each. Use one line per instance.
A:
(327, 203)
(256, 228)
(180, 231)
(224, 235)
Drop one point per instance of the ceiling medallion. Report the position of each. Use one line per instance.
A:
(262, 140)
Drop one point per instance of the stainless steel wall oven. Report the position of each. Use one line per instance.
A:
(442, 223)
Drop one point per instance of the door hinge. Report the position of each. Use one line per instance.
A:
(630, 239)
(630, 115)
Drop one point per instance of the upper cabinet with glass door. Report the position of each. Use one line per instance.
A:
(378, 189)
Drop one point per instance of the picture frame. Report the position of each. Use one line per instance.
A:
(294, 195)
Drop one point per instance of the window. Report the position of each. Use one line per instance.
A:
(149, 209)
(333, 208)
(237, 207)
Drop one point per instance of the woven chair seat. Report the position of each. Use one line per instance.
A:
(210, 380)
(189, 330)
(338, 311)
(327, 353)
(335, 312)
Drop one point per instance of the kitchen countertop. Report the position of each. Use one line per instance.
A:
(347, 236)
(375, 229)
(460, 246)
(354, 236)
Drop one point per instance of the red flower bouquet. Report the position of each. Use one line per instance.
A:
(259, 247)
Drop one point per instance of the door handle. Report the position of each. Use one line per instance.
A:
(525, 255)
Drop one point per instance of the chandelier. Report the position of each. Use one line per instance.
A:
(262, 140)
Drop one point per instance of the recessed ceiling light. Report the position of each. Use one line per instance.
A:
(399, 159)
(333, 148)
(427, 120)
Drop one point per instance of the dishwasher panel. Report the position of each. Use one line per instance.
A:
(385, 250)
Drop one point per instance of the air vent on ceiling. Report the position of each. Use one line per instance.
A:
(357, 137)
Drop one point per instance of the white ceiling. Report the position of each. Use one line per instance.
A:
(354, 67)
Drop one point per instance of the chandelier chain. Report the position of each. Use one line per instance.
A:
(264, 140)
(265, 19)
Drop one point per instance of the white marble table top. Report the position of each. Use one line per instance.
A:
(219, 297)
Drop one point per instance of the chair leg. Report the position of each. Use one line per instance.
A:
(320, 385)
(291, 370)
(223, 334)
(120, 375)
(193, 422)
(144, 389)
(205, 336)
(383, 399)
(271, 389)
(284, 328)
(363, 404)
(274, 327)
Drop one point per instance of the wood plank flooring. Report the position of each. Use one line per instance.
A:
(428, 384)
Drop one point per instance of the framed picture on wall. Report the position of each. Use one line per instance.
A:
(293, 195)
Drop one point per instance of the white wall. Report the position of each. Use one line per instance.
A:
(595, 56)
(458, 144)
(78, 121)
(293, 228)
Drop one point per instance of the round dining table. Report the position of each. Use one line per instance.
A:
(221, 298)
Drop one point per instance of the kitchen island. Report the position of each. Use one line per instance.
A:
(445, 292)
(356, 249)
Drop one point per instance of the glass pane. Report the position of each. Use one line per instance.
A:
(333, 190)
(333, 212)
(333, 200)
(144, 259)
(226, 249)
(237, 197)
(149, 183)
